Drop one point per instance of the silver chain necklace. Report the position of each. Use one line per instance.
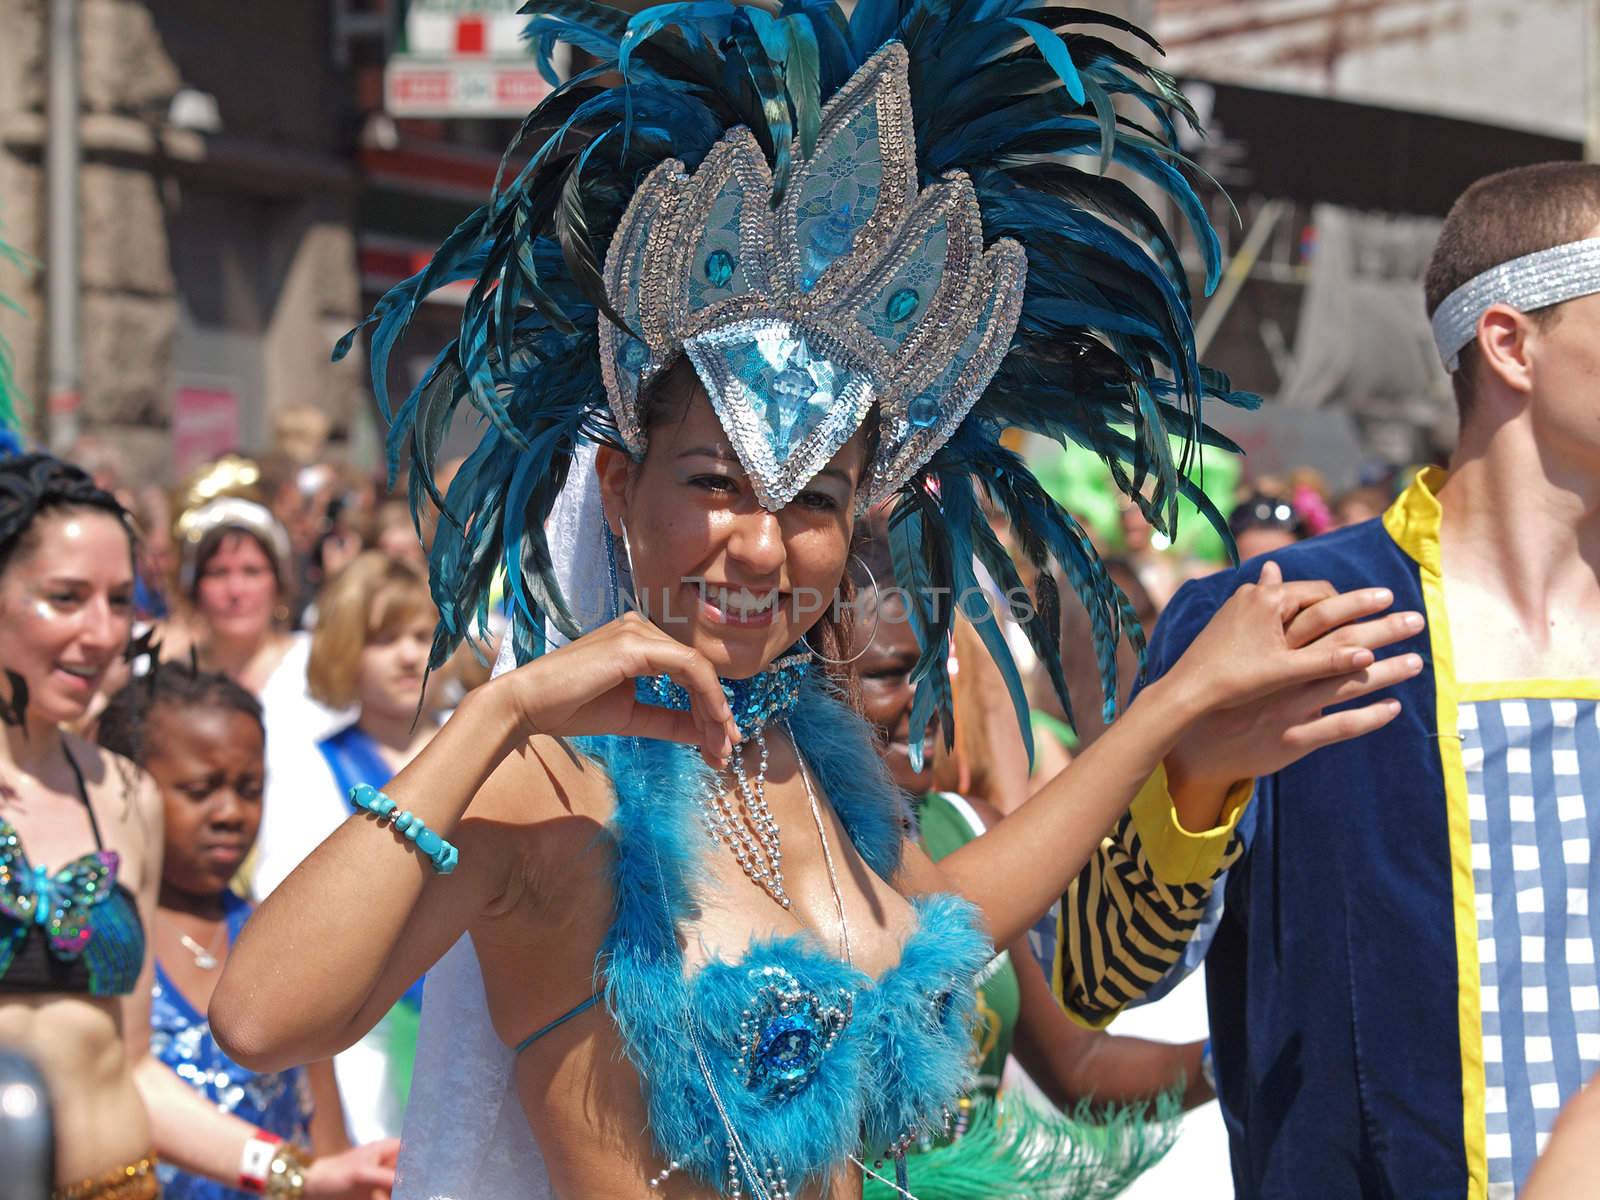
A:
(749, 829)
(205, 957)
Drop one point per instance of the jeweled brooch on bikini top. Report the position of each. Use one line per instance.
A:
(787, 1030)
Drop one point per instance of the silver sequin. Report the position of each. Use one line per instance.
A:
(891, 285)
(1527, 284)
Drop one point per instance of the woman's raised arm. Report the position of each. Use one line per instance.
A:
(358, 921)
(1243, 660)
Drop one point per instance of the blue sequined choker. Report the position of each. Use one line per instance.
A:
(755, 701)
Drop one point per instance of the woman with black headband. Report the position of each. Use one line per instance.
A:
(80, 865)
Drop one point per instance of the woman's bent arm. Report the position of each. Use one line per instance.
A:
(1244, 661)
(334, 946)
(363, 917)
(1072, 1064)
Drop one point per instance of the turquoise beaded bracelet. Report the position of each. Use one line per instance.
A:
(434, 848)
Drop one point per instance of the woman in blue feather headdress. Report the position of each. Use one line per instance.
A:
(757, 271)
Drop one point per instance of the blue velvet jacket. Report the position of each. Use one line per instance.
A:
(1343, 975)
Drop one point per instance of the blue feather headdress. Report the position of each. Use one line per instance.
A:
(1010, 127)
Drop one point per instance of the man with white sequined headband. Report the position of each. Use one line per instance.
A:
(1403, 982)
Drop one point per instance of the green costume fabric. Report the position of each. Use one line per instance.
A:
(945, 828)
(1044, 725)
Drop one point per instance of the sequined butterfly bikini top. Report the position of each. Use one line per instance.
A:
(809, 1060)
(75, 931)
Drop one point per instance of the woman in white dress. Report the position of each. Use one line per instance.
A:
(369, 656)
(234, 574)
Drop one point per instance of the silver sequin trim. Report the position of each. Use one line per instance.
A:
(941, 360)
(1527, 284)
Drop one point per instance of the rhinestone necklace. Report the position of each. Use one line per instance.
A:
(738, 816)
(749, 829)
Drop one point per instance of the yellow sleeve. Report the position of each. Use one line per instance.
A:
(1125, 920)
(1177, 855)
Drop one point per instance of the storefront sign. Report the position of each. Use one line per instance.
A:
(462, 58)
(205, 424)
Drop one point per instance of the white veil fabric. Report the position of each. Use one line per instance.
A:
(466, 1136)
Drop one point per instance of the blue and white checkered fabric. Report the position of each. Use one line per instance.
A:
(1533, 795)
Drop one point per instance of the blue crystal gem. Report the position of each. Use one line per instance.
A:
(634, 354)
(924, 412)
(787, 1031)
(719, 268)
(830, 239)
(755, 701)
(786, 1050)
(793, 386)
(902, 304)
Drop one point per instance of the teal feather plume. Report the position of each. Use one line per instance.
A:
(1018, 95)
(10, 426)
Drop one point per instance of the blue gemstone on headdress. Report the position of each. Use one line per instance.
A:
(793, 386)
(923, 412)
(719, 268)
(634, 354)
(902, 304)
(830, 239)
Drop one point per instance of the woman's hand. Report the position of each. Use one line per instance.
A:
(364, 1173)
(587, 687)
(1272, 635)
(1266, 667)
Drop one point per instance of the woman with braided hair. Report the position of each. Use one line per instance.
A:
(81, 835)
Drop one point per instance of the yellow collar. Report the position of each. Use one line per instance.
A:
(1413, 519)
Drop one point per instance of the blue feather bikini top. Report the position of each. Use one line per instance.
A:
(812, 1060)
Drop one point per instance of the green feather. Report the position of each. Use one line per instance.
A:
(1014, 1149)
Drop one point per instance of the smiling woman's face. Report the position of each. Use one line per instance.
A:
(66, 611)
(711, 566)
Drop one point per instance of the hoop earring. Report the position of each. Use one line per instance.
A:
(611, 570)
(877, 623)
(619, 603)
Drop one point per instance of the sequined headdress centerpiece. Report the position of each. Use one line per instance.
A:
(902, 214)
(855, 289)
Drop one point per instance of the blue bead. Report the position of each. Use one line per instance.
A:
(902, 304)
(924, 412)
(429, 842)
(719, 268)
(634, 354)
(445, 861)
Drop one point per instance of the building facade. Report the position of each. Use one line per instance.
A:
(217, 208)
